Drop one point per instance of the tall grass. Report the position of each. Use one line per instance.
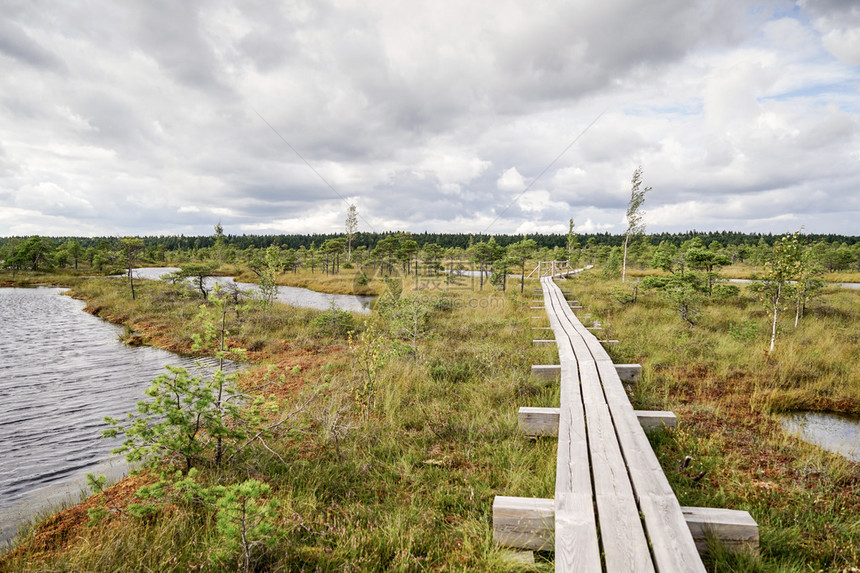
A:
(407, 481)
(409, 485)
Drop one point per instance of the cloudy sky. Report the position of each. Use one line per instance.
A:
(147, 117)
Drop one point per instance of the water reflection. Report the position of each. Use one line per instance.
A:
(836, 433)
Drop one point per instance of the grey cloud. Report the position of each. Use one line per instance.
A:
(115, 120)
(16, 43)
(566, 54)
(837, 9)
(171, 33)
(7, 166)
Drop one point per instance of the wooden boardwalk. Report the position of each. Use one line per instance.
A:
(555, 269)
(613, 509)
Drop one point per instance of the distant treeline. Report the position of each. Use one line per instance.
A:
(445, 240)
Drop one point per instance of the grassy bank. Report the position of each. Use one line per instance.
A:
(406, 433)
(33, 279)
(726, 390)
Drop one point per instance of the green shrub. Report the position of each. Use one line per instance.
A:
(722, 291)
(334, 322)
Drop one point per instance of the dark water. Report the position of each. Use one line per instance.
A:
(294, 296)
(62, 371)
(836, 433)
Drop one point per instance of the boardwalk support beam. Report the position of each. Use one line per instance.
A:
(535, 421)
(529, 523)
(627, 372)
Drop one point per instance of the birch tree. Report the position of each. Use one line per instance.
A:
(776, 290)
(635, 216)
(571, 239)
(351, 229)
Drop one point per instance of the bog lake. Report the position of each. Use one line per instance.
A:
(63, 371)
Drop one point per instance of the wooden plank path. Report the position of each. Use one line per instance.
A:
(613, 509)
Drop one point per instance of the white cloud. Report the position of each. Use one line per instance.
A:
(511, 180)
(538, 201)
(450, 166)
(325, 219)
(591, 227)
(530, 227)
(844, 44)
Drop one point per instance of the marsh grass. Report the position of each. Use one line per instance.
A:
(726, 389)
(408, 487)
(407, 482)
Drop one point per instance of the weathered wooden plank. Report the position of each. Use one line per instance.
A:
(655, 419)
(576, 526)
(735, 529)
(629, 372)
(524, 522)
(542, 421)
(543, 342)
(623, 540)
(546, 371)
(671, 541)
(672, 544)
(576, 546)
(518, 557)
(537, 421)
(572, 473)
